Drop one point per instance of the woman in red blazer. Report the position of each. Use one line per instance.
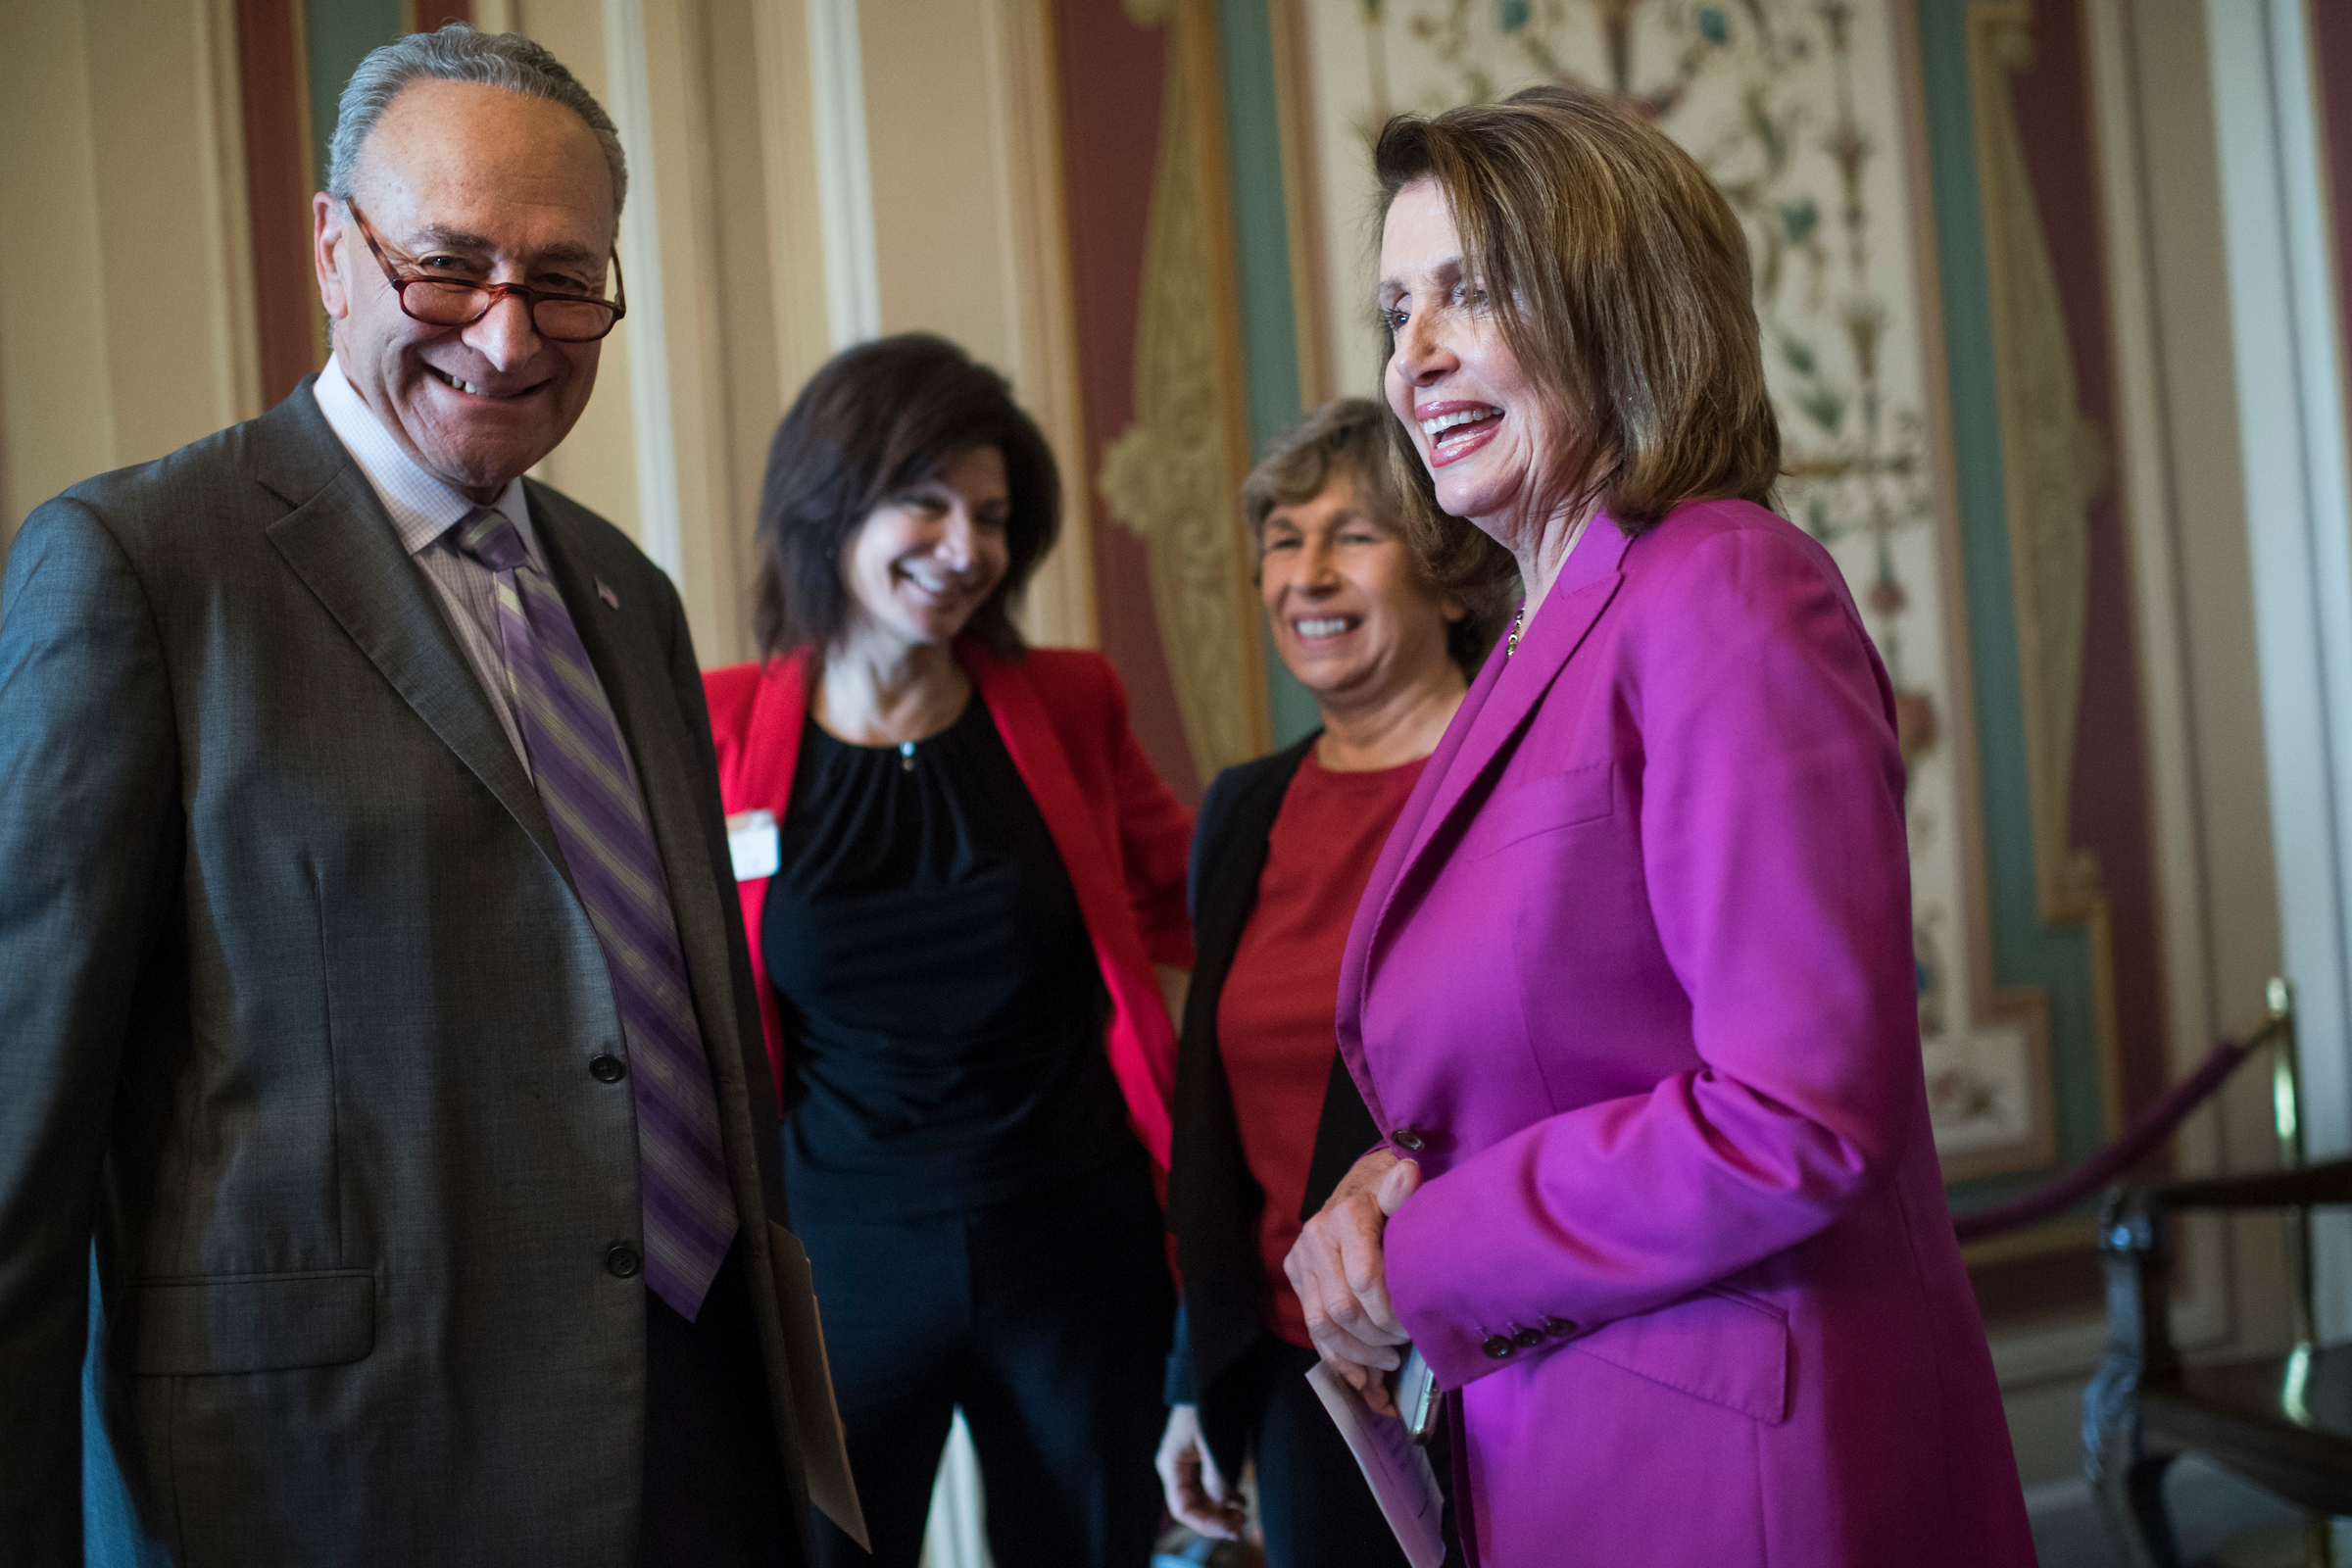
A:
(964, 877)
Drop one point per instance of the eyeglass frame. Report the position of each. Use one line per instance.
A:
(530, 296)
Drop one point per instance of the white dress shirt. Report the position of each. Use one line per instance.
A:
(423, 512)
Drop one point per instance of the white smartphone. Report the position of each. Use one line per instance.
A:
(1417, 1397)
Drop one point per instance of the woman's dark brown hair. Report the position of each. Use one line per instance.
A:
(1619, 277)
(876, 420)
(1345, 438)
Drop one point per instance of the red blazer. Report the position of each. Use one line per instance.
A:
(1123, 837)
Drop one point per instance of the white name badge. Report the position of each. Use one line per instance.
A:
(753, 845)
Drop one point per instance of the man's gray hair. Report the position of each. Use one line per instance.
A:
(458, 53)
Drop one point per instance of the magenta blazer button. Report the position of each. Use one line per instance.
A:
(1406, 1139)
(1528, 1339)
(1497, 1346)
(1558, 1327)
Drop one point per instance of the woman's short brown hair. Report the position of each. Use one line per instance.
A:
(1620, 279)
(874, 422)
(1345, 438)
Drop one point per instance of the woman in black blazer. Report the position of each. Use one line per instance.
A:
(1266, 1120)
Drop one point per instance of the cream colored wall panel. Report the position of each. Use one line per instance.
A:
(940, 243)
(57, 422)
(757, 345)
(2203, 467)
(2180, 462)
(2283, 353)
(181, 358)
(683, 434)
(799, 310)
(963, 144)
(127, 329)
(597, 463)
(844, 189)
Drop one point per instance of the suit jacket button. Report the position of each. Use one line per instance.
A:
(1497, 1346)
(608, 1069)
(621, 1261)
(1558, 1327)
(1528, 1339)
(1406, 1139)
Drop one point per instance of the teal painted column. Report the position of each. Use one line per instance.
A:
(2026, 951)
(1262, 263)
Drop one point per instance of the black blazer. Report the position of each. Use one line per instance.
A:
(1214, 1202)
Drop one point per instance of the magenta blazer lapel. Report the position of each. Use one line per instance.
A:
(1494, 713)
(1588, 581)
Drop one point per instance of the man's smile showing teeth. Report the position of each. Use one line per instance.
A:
(447, 379)
(1325, 626)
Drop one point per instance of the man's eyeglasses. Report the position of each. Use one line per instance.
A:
(460, 301)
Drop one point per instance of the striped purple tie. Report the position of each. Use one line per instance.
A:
(592, 801)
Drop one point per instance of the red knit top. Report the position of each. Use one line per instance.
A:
(1274, 1016)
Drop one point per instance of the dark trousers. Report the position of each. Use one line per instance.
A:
(1311, 1498)
(713, 1476)
(1046, 1320)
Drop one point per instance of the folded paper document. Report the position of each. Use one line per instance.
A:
(815, 1421)
(1393, 1465)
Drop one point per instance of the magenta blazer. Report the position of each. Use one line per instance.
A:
(1633, 981)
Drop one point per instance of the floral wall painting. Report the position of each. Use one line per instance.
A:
(1797, 110)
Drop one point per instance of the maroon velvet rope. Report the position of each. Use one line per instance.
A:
(2150, 1128)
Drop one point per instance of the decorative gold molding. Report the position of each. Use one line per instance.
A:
(2026, 1007)
(1172, 476)
(2054, 462)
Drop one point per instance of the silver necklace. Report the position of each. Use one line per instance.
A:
(1508, 648)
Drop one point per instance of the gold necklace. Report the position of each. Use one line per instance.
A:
(1518, 620)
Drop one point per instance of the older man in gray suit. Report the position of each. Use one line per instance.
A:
(371, 1011)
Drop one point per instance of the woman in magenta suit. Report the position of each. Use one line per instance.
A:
(1631, 987)
(967, 873)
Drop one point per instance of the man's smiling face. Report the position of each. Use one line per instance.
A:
(479, 182)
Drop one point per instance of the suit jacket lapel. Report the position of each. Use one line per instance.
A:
(339, 541)
(1491, 719)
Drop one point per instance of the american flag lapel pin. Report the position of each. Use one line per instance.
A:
(604, 592)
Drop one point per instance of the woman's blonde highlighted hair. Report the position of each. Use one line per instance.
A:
(1619, 277)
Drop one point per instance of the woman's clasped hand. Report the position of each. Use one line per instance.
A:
(1337, 1269)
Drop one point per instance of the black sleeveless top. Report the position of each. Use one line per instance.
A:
(939, 992)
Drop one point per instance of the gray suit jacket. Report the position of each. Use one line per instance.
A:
(296, 1010)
